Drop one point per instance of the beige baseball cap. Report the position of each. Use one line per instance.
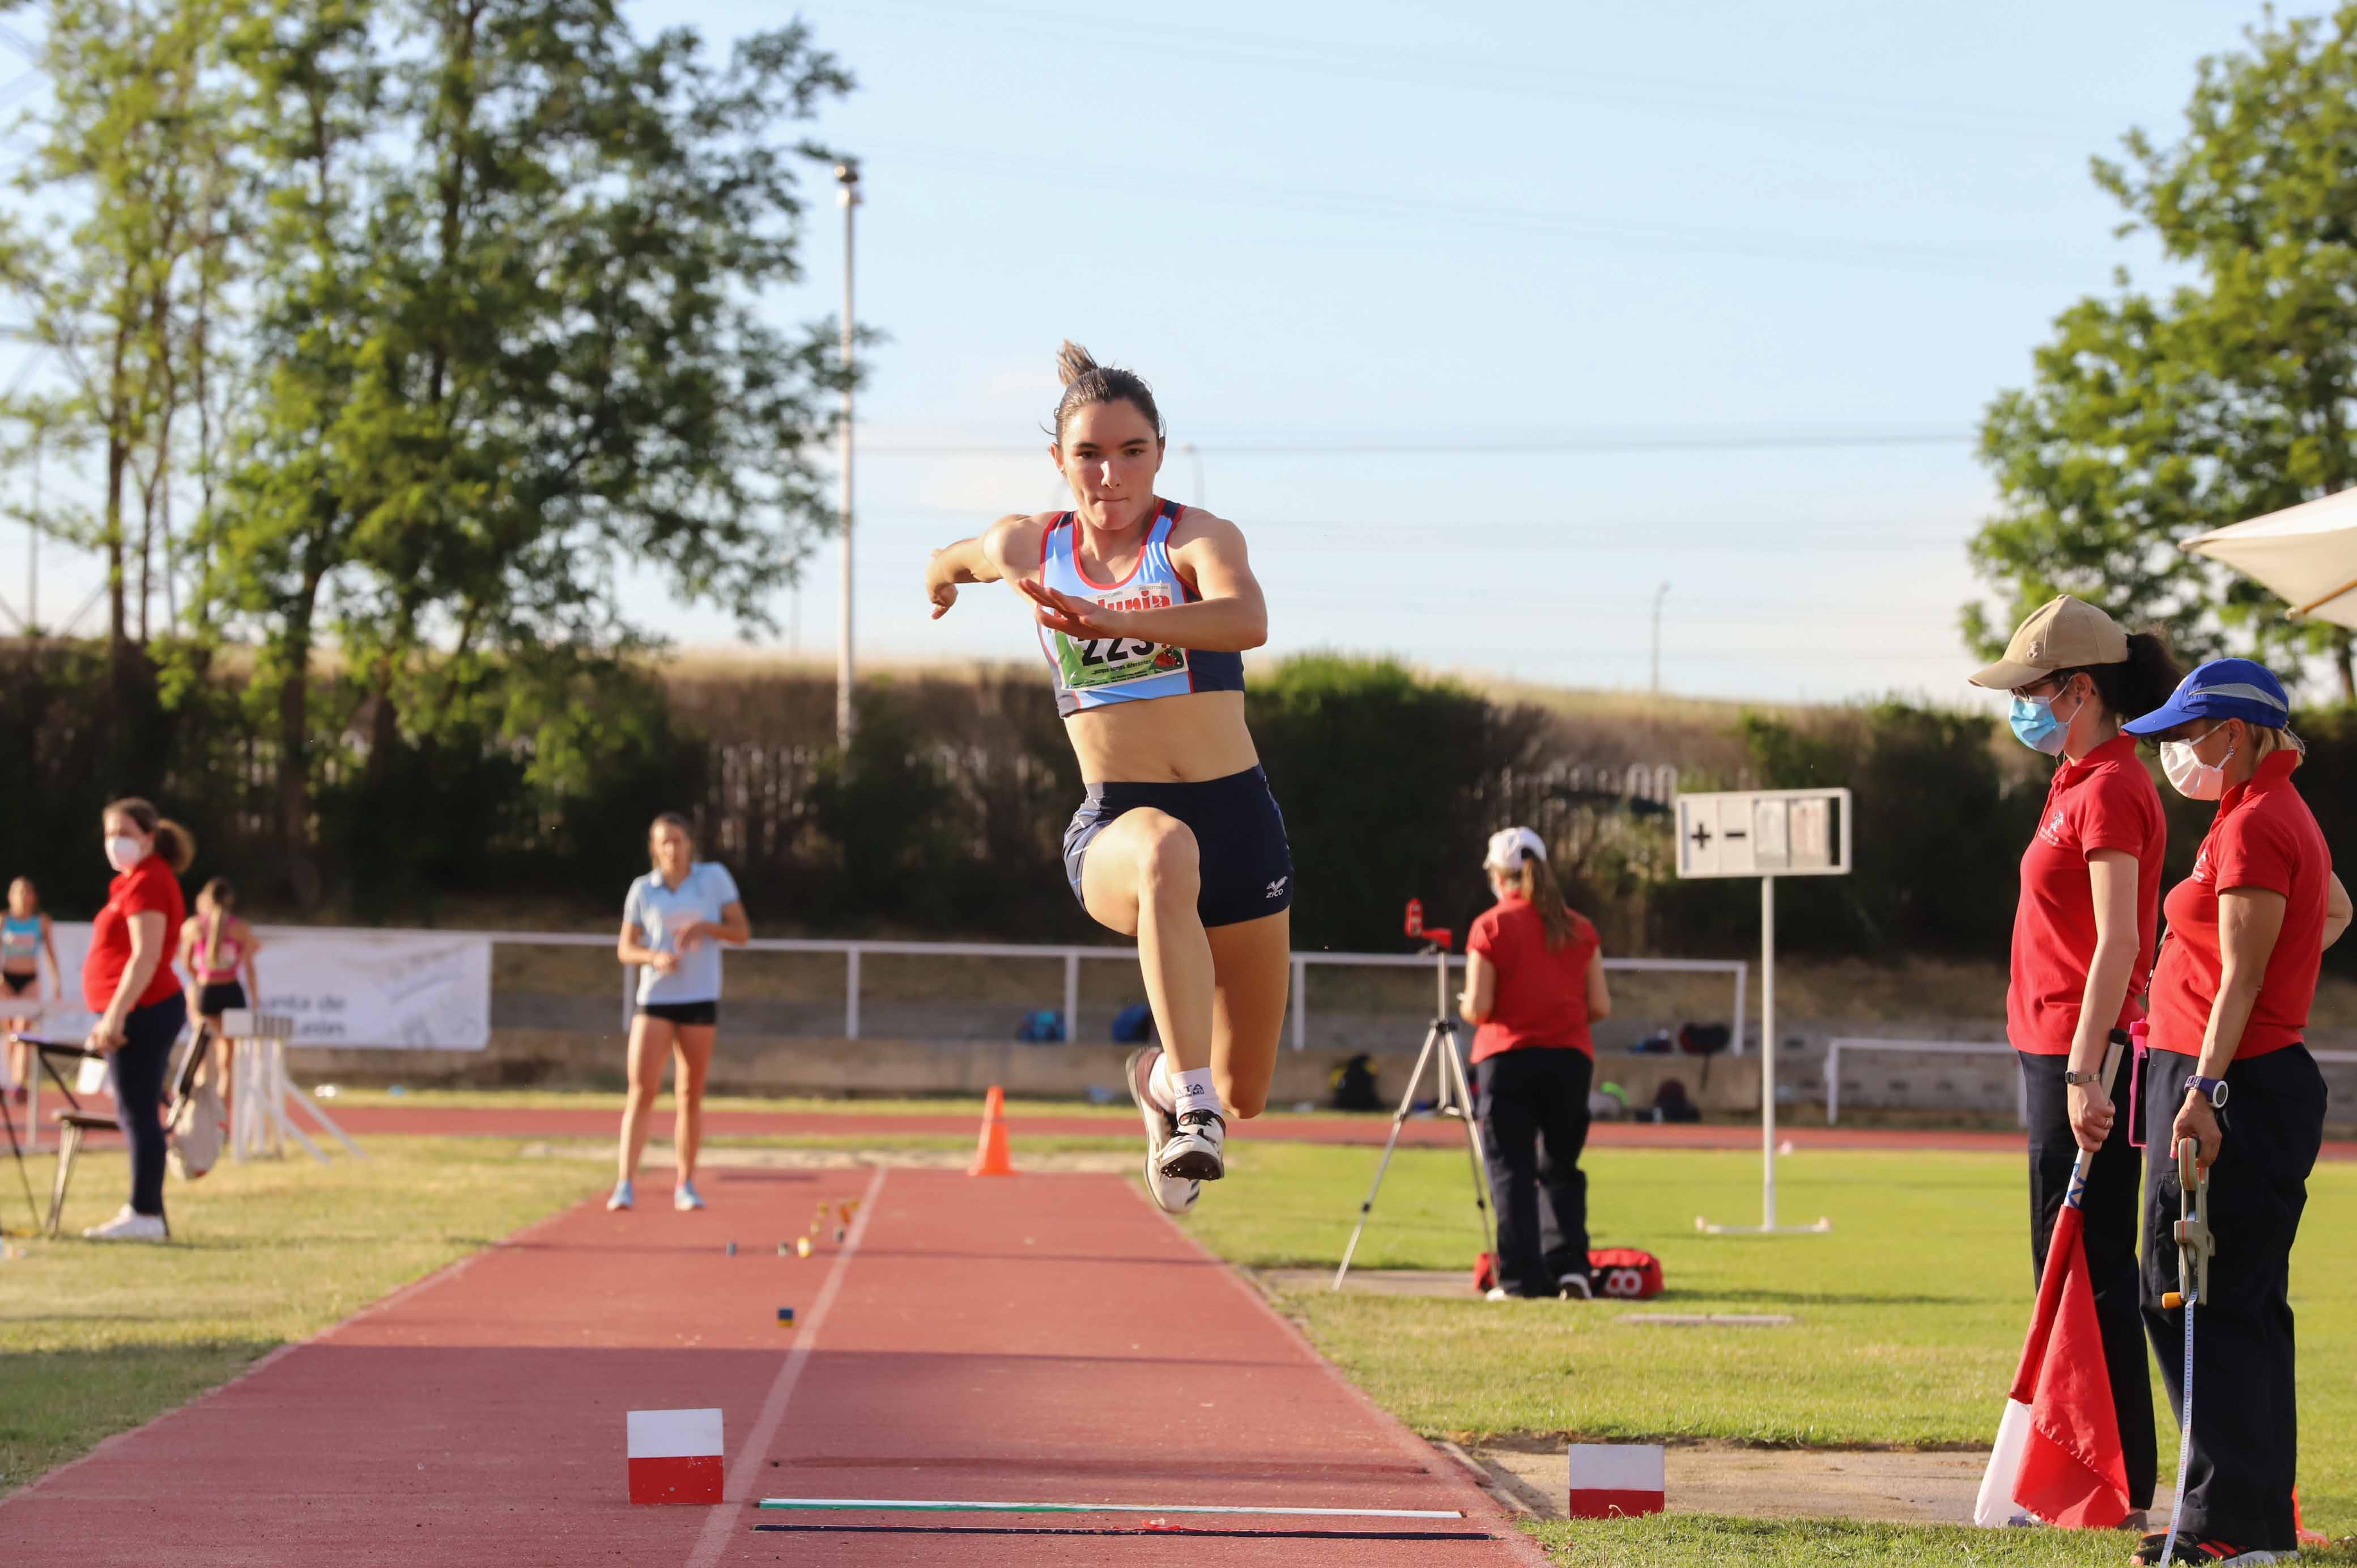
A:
(2064, 633)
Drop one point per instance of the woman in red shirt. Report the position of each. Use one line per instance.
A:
(127, 980)
(1534, 983)
(2228, 1069)
(2083, 942)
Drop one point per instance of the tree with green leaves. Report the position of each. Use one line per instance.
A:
(2152, 416)
(512, 311)
(119, 261)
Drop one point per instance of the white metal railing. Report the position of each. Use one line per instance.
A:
(1737, 969)
(1916, 1047)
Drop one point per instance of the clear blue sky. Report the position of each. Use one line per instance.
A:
(1331, 235)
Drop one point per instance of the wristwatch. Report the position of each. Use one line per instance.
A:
(2075, 1079)
(2212, 1090)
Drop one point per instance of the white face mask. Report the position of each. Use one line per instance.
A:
(2189, 775)
(123, 852)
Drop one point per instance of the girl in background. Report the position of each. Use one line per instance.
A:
(127, 980)
(25, 938)
(1534, 985)
(673, 920)
(217, 949)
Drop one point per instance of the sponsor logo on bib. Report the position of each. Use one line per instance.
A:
(1093, 663)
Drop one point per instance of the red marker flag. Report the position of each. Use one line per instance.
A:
(2058, 1450)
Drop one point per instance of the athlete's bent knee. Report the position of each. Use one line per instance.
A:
(1170, 866)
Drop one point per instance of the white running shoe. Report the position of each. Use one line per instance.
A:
(129, 1226)
(1172, 1195)
(1198, 1149)
(623, 1197)
(686, 1198)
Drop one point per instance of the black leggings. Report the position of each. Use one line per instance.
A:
(2245, 1418)
(150, 1032)
(1531, 1097)
(2109, 1211)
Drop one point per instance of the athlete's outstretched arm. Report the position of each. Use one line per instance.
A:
(997, 552)
(1231, 616)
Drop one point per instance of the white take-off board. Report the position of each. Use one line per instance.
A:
(1764, 832)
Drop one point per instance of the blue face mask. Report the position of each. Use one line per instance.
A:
(2035, 726)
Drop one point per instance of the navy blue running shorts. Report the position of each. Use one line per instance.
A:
(1247, 866)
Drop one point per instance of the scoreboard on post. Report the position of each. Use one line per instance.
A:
(1764, 832)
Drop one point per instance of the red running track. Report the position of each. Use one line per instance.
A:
(1046, 1338)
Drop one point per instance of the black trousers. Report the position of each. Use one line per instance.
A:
(2238, 1478)
(149, 1032)
(2109, 1211)
(1526, 1098)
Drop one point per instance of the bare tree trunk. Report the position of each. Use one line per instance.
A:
(2344, 663)
(294, 750)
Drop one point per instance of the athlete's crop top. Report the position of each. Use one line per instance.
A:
(226, 951)
(20, 940)
(1094, 671)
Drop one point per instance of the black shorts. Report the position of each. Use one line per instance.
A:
(219, 997)
(1247, 866)
(18, 984)
(705, 1014)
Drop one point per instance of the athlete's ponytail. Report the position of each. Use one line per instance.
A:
(1539, 886)
(1086, 382)
(2140, 682)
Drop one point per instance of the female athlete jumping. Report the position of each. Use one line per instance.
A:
(1144, 608)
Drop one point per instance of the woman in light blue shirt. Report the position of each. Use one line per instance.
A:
(674, 922)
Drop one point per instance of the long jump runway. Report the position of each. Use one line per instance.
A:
(1038, 1338)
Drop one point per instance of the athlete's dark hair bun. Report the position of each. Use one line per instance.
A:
(1087, 382)
(1073, 363)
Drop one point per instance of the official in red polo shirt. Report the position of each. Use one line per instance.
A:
(2230, 1000)
(2082, 943)
(127, 980)
(1534, 983)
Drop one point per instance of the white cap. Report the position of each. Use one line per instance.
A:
(1510, 846)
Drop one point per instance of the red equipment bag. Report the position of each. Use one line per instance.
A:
(1625, 1274)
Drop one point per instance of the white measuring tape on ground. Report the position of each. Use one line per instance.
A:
(904, 1505)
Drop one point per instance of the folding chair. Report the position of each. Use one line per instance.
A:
(73, 1121)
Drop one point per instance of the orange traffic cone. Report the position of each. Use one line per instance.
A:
(990, 1155)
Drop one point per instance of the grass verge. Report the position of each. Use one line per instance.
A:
(96, 1339)
(1677, 1540)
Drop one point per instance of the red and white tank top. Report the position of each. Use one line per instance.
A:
(1093, 672)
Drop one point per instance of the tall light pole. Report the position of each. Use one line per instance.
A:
(1658, 595)
(847, 195)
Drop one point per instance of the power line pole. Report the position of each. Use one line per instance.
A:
(33, 545)
(1658, 595)
(846, 179)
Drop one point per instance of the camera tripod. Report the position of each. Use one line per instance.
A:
(1453, 1094)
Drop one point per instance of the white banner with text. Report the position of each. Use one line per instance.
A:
(413, 990)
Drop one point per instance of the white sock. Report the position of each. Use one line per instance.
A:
(1196, 1093)
(1158, 1087)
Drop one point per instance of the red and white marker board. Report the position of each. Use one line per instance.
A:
(1610, 1480)
(676, 1456)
